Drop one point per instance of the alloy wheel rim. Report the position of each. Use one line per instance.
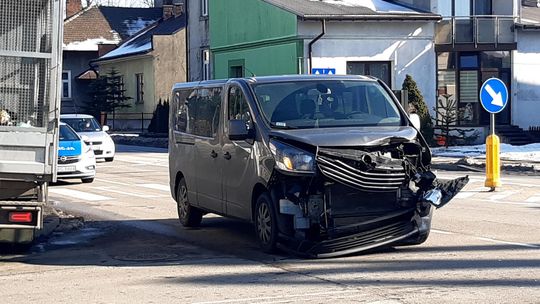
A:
(182, 202)
(264, 222)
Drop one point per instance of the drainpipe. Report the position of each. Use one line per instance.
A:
(310, 46)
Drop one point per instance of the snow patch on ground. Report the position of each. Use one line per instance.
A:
(374, 5)
(82, 236)
(88, 45)
(528, 153)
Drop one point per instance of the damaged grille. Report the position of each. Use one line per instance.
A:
(364, 240)
(361, 170)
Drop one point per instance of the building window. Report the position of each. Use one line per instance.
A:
(379, 69)
(204, 8)
(205, 64)
(140, 88)
(66, 84)
(459, 78)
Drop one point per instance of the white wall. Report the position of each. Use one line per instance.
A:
(526, 84)
(408, 45)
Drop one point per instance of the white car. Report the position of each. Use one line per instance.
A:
(75, 159)
(94, 135)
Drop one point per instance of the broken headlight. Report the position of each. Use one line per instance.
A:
(291, 159)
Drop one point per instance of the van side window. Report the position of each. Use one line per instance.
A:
(182, 99)
(238, 106)
(204, 112)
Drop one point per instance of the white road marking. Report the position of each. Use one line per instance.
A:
(534, 199)
(501, 195)
(487, 239)
(505, 202)
(507, 243)
(79, 194)
(159, 187)
(110, 189)
(469, 193)
(337, 292)
(441, 232)
(112, 182)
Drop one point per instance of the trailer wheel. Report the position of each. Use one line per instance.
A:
(188, 215)
(266, 223)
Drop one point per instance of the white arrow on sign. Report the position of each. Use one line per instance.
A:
(497, 97)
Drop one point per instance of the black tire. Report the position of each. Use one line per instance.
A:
(109, 159)
(266, 226)
(188, 215)
(87, 180)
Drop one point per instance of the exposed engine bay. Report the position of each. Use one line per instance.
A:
(361, 198)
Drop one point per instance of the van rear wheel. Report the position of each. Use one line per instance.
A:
(266, 223)
(188, 215)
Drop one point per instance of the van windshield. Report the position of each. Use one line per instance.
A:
(326, 103)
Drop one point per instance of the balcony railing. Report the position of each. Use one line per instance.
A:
(476, 30)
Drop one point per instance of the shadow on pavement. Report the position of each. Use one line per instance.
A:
(225, 243)
(139, 149)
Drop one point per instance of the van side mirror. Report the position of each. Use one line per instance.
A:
(415, 120)
(238, 130)
(105, 129)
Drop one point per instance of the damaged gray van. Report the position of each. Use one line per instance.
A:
(322, 165)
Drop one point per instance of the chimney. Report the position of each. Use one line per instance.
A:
(178, 9)
(73, 7)
(167, 11)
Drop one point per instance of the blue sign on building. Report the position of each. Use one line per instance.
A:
(494, 95)
(323, 71)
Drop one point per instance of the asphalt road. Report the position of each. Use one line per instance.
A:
(484, 248)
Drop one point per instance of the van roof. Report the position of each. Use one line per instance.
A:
(270, 79)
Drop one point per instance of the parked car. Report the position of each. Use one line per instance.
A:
(97, 136)
(76, 160)
(322, 165)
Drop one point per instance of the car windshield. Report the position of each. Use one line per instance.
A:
(67, 134)
(83, 124)
(326, 103)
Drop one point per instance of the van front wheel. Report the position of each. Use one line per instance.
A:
(265, 223)
(188, 215)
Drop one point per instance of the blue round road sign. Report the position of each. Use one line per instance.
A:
(494, 95)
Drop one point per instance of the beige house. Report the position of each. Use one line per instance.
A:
(150, 63)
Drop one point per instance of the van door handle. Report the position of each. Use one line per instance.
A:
(213, 154)
(227, 155)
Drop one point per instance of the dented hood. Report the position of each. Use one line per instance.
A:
(348, 136)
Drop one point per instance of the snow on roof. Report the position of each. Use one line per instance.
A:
(374, 5)
(135, 26)
(142, 42)
(88, 45)
(351, 10)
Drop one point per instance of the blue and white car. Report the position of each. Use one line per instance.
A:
(76, 160)
(94, 135)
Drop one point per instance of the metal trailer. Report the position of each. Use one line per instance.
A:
(30, 87)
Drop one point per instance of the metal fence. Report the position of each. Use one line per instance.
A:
(132, 122)
(26, 46)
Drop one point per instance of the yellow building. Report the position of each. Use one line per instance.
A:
(150, 63)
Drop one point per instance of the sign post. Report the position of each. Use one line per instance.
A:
(494, 98)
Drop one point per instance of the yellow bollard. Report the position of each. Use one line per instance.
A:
(493, 163)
